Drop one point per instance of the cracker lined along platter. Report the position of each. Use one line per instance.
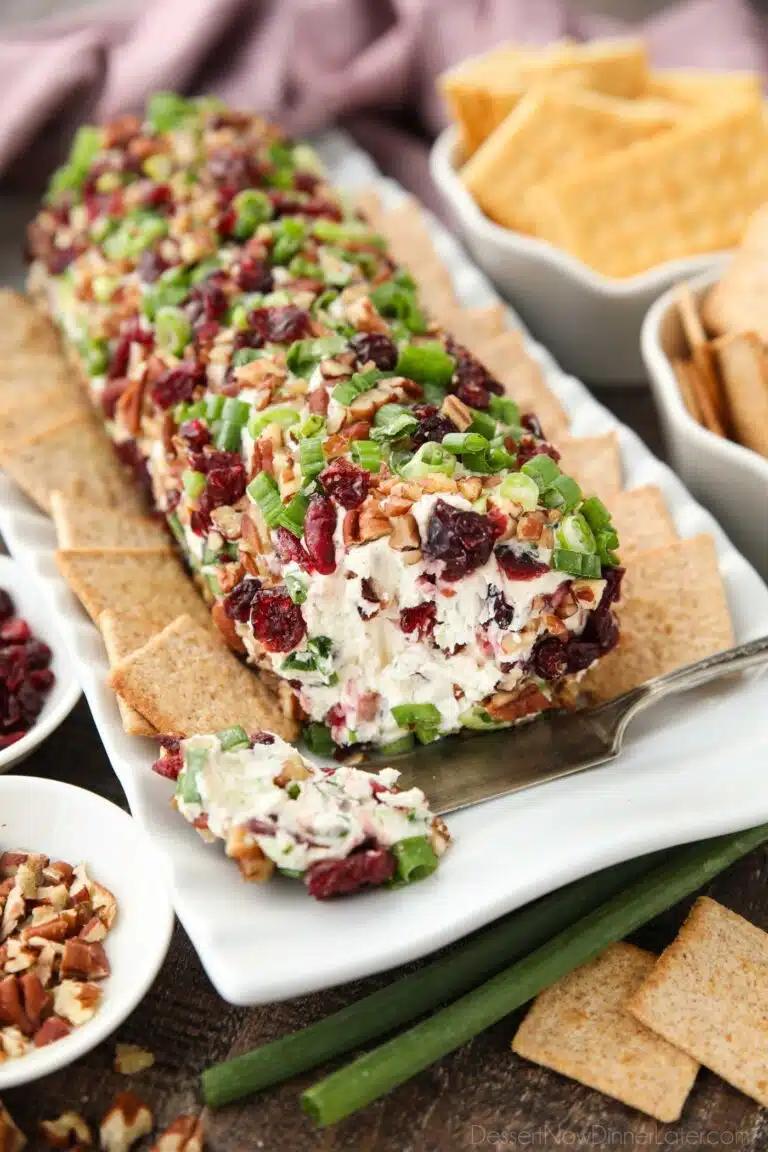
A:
(506, 827)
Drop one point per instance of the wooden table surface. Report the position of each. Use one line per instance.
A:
(481, 1096)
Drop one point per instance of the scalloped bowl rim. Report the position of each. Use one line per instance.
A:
(514, 243)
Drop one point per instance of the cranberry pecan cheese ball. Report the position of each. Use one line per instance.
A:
(377, 527)
(336, 829)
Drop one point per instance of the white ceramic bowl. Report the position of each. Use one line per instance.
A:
(731, 480)
(589, 322)
(66, 691)
(68, 823)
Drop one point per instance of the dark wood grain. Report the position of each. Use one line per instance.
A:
(481, 1096)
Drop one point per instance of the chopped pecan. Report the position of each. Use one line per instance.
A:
(59, 928)
(437, 482)
(405, 533)
(37, 1001)
(531, 525)
(126, 1122)
(13, 1043)
(57, 895)
(13, 912)
(53, 1029)
(373, 524)
(470, 488)
(226, 626)
(185, 1134)
(76, 1001)
(83, 959)
(350, 528)
(12, 1006)
(94, 931)
(514, 705)
(253, 863)
(412, 557)
(66, 1131)
(17, 957)
(130, 1059)
(458, 412)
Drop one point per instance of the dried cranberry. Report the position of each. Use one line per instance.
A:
(261, 738)
(290, 550)
(195, 434)
(30, 701)
(170, 743)
(280, 325)
(502, 612)
(207, 302)
(419, 619)
(498, 520)
(276, 621)
(177, 384)
(305, 181)
(530, 421)
(238, 603)
(528, 448)
(368, 591)
(14, 631)
(6, 605)
(158, 196)
(169, 766)
(462, 540)
(42, 679)
(549, 658)
(110, 395)
(370, 866)
(346, 483)
(432, 426)
(234, 168)
(37, 654)
(11, 738)
(254, 276)
(471, 382)
(283, 204)
(519, 566)
(130, 333)
(580, 654)
(319, 526)
(225, 485)
(377, 347)
(200, 518)
(59, 259)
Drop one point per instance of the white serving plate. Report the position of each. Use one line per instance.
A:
(65, 692)
(590, 322)
(72, 824)
(692, 768)
(730, 479)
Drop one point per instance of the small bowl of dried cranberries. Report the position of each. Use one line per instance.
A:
(37, 686)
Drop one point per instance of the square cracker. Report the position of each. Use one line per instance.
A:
(673, 612)
(553, 129)
(122, 635)
(506, 357)
(594, 462)
(708, 995)
(28, 415)
(581, 1028)
(411, 244)
(24, 328)
(743, 371)
(642, 520)
(738, 302)
(186, 682)
(685, 371)
(74, 457)
(127, 580)
(29, 377)
(709, 395)
(472, 327)
(81, 524)
(689, 190)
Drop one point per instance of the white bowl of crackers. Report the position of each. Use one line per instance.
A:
(586, 183)
(704, 343)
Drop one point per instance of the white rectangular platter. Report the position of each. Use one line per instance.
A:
(693, 768)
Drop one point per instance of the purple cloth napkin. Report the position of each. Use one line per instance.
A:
(370, 63)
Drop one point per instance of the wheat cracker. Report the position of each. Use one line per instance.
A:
(24, 328)
(506, 357)
(411, 245)
(594, 462)
(82, 524)
(28, 415)
(738, 302)
(708, 995)
(642, 520)
(186, 682)
(580, 1027)
(683, 370)
(743, 371)
(701, 352)
(123, 633)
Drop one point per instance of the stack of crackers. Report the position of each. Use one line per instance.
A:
(724, 379)
(638, 1028)
(624, 167)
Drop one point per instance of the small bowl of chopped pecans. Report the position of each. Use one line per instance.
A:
(85, 923)
(38, 689)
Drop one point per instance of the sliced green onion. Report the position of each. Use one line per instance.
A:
(303, 355)
(393, 422)
(263, 491)
(297, 586)
(169, 290)
(504, 410)
(397, 297)
(607, 541)
(576, 563)
(299, 662)
(173, 330)
(460, 442)
(195, 760)
(367, 454)
(95, 356)
(135, 233)
(193, 482)
(478, 720)
(285, 417)
(186, 411)
(428, 361)
(311, 458)
(236, 411)
(251, 208)
(228, 435)
(311, 427)
(522, 489)
(351, 232)
(292, 515)
(348, 390)
(319, 740)
(563, 493)
(203, 270)
(214, 406)
(596, 514)
(415, 859)
(157, 167)
(542, 469)
(397, 747)
(574, 533)
(409, 715)
(499, 459)
(302, 268)
(482, 423)
(426, 734)
(478, 462)
(104, 288)
(289, 234)
(167, 110)
(434, 393)
(430, 457)
(233, 737)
